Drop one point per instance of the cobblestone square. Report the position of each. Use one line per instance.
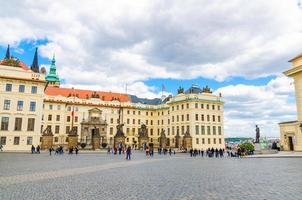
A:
(102, 176)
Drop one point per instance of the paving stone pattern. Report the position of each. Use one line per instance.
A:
(179, 177)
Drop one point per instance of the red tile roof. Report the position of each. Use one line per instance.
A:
(21, 64)
(83, 94)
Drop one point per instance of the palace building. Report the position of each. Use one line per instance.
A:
(52, 115)
(291, 132)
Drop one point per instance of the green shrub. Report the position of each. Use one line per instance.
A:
(248, 146)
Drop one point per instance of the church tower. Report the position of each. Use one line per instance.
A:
(52, 78)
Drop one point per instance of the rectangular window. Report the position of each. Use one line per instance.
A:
(67, 129)
(208, 118)
(188, 117)
(18, 124)
(58, 117)
(201, 106)
(3, 140)
(127, 131)
(182, 130)
(21, 88)
(188, 128)
(213, 107)
(68, 118)
(49, 117)
(19, 105)
(197, 130)
(31, 124)
(214, 130)
(213, 118)
(209, 141)
(133, 121)
(34, 89)
(16, 140)
(202, 117)
(111, 130)
(59, 107)
(57, 129)
(4, 123)
(128, 121)
(209, 130)
(214, 140)
(8, 87)
(182, 118)
(219, 130)
(202, 130)
(196, 117)
(208, 107)
(50, 107)
(76, 118)
(139, 122)
(218, 118)
(219, 140)
(56, 139)
(29, 140)
(202, 140)
(6, 104)
(187, 106)
(133, 130)
(151, 131)
(32, 106)
(197, 140)
(182, 106)
(196, 105)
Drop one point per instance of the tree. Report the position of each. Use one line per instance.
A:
(104, 145)
(248, 146)
(83, 145)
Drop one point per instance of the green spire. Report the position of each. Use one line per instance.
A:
(52, 76)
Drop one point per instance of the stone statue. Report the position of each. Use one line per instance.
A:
(119, 130)
(257, 134)
(143, 131)
(180, 90)
(206, 89)
(47, 131)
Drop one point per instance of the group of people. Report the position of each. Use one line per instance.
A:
(210, 152)
(35, 149)
(60, 150)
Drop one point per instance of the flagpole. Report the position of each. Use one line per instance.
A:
(72, 113)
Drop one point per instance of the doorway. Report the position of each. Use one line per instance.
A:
(290, 143)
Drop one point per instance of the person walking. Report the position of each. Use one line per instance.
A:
(1, 147)
(32, 149)
(38, 149)
(50, 150)
(76, 150)
(128, 153)
(170, 151)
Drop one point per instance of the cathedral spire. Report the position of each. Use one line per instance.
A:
(7, 55)
(35, 66)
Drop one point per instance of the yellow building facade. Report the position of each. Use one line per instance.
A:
(31, 102)
(21, 101)
(291, 132)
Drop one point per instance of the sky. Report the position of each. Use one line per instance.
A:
(239, 48)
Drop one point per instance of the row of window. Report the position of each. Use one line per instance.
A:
(58, 118)
(201, 106)
(18, 124)
(3, 140)
(21, 88)
(202, 118)
(203, 141)
(20, 105)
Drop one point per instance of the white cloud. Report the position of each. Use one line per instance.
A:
(156, 39)
(107, 44)
(248, 105)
